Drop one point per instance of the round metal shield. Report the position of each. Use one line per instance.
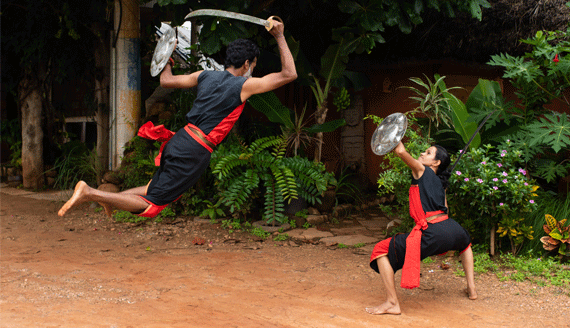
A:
(389, 133)
(163, 51)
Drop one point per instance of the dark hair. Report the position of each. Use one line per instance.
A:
(442, 172)
(240, 50)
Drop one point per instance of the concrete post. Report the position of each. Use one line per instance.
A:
(127, 86)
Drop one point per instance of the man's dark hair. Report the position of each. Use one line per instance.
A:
(240, 50)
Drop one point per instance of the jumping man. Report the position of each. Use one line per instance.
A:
(220, 99)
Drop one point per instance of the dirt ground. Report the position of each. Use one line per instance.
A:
(85, 270)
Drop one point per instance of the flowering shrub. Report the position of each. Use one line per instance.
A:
(489, 188)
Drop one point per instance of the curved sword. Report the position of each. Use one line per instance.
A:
(267, 23)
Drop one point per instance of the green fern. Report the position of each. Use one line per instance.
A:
(240, 171)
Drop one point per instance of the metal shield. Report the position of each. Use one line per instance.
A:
(163, 50)
(389, 133)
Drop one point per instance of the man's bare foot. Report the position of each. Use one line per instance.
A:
(385, 308)
(472, 294)
(78, 197)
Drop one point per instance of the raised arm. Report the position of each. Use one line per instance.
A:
(417, 167)
(273, 81)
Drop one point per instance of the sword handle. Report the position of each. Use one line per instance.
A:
(270, 20)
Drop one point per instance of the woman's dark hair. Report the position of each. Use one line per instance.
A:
(442, 172)
(239, 51)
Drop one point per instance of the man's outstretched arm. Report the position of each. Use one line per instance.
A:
(168, 80)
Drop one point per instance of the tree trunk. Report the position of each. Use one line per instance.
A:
(320, 117)
(30, 98)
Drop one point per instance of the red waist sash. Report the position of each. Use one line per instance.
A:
(162, 134)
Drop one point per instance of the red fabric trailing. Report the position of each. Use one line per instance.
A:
(158, 133)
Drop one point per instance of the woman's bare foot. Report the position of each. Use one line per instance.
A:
(385, 308)
(471, 293)
(78, 197)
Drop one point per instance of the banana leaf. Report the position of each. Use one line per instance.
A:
(271, 106)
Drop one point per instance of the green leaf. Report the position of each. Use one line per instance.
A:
(552, 130)
(460, 118)
(327, 126)
(271, 106)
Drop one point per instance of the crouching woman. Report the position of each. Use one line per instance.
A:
(434, 232)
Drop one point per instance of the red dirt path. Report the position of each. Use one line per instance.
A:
(86, 271)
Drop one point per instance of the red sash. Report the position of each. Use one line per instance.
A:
(411, 269)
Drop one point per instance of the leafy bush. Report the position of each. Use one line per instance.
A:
(540, 77)
(242, 170)
(10, 133)
(76, 163)
(489, 189)
(137, 167)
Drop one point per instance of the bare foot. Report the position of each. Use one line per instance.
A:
(472, 294)
(385, 308)
(78, 197)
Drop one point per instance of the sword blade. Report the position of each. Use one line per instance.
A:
(228, 14)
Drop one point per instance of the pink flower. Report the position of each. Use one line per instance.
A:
(458, 172)
(531, 201)
(495, 179)
(495, 187)
(505, 174)
(466, 179)
(480, 180)
(499, 165)
(502, 154)
(501, 204)
(526, 183)
(504, 180)
(522, 171)
(483, 162)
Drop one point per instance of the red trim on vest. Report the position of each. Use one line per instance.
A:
(225, 126)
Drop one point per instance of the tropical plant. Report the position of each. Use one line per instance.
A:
(242, 170)
(293, 126)
(540, 77)
(517, 231)
(557, 236)
(485, 98)
(432, 102)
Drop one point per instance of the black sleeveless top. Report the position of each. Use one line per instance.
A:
(219, 94)
(432, 194)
